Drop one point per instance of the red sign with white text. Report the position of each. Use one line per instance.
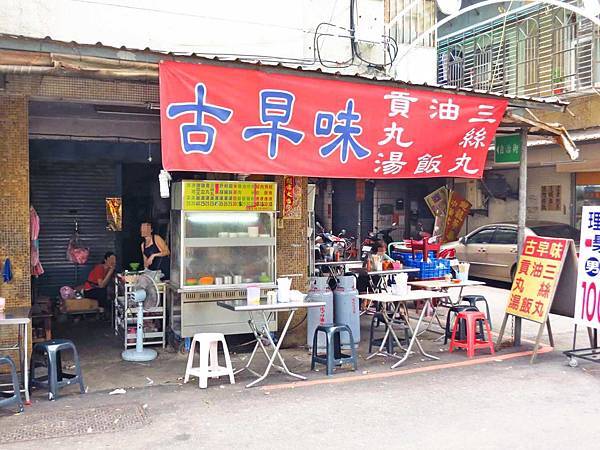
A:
(231, 120)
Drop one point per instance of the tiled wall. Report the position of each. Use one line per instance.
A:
(292, 259)
(14, 206)
(14, 198)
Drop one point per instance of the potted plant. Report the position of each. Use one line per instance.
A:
(557, 82)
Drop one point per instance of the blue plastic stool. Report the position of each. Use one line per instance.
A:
(333, 356)
(14, 398)
(47, 354)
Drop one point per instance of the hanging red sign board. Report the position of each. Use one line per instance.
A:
(232, 120)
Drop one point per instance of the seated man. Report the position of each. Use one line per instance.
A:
(98, 279)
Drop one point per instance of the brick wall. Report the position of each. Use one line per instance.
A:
(14, 206)
(292, 258)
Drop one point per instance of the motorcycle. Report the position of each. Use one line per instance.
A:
(377, 235)
(331, 247)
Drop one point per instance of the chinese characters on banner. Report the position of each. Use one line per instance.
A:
(587, 298)
(537, 277)
(229, 196)
(292, 198)
(232, 120)
(458, 210)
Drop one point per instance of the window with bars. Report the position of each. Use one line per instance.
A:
(538, 51)
(408, 19)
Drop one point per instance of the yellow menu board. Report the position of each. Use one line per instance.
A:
(229, 196)
(537, 277)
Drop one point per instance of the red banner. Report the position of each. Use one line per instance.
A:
(230, 120)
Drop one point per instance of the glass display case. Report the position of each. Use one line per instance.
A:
(219, 249)
(222, 240)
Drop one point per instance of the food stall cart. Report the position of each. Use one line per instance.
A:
(223, 241)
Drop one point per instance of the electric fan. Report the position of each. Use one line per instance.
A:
(145, 293)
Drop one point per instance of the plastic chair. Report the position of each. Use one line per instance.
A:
(454, 310)
(333, 356)
(48, 354)
(391, 343)
(471, 343)
(473, 300)
(14, 398)
(208, 367)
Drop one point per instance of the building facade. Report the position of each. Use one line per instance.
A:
(536, 50)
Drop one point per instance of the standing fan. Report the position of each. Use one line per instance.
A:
(145, 293)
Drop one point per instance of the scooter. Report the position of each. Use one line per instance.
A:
(328, 246)
(377, 235)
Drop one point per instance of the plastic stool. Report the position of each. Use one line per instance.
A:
(333, 356)
(209, 350)
(14, 398)
(473, 299)
(47, 354)
(461, 327)
(471, 343)
(391, 343)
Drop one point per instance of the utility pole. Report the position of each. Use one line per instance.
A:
(522, 215)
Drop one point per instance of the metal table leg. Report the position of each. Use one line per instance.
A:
(26, 367)
(389, 331)
(415, 339)
(259, 333)
(276, 354)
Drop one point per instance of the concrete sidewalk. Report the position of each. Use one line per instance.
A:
(488, 402)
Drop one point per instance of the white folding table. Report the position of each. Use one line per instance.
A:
(396, 301)
(261, 331)
(384, 276)
(444, 286)
(19, 317)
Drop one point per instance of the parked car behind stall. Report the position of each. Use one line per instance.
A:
(492, 249)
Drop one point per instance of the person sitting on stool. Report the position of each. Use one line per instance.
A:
(98, 279)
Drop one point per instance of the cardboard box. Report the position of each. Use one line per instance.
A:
(79, 304)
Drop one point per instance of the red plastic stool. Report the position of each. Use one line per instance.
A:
(471, 343)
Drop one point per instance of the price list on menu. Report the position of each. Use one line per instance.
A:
(229, 196)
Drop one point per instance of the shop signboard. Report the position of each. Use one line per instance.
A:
(229, 196)
(458, 210)
(544, 272)
(587, 298)
(536, 278)
(437, 202)
(239, 120)
(507, 149)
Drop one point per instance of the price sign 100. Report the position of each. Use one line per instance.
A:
(590, 304)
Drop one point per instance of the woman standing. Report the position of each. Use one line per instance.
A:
(154, 250)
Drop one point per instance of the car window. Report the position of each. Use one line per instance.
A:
(557, 231)
(482, 237)
(505, 236)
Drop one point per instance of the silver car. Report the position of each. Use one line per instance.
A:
(492, 249)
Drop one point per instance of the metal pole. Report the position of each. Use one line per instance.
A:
(522, 214)
(358, 228)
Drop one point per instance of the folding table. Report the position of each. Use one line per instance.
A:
(444, 286)
(261, 331)
(20, 318)
(396, 301)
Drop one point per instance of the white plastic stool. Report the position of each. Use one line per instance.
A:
(209, 348)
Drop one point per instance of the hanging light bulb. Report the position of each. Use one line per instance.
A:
(149, 153)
